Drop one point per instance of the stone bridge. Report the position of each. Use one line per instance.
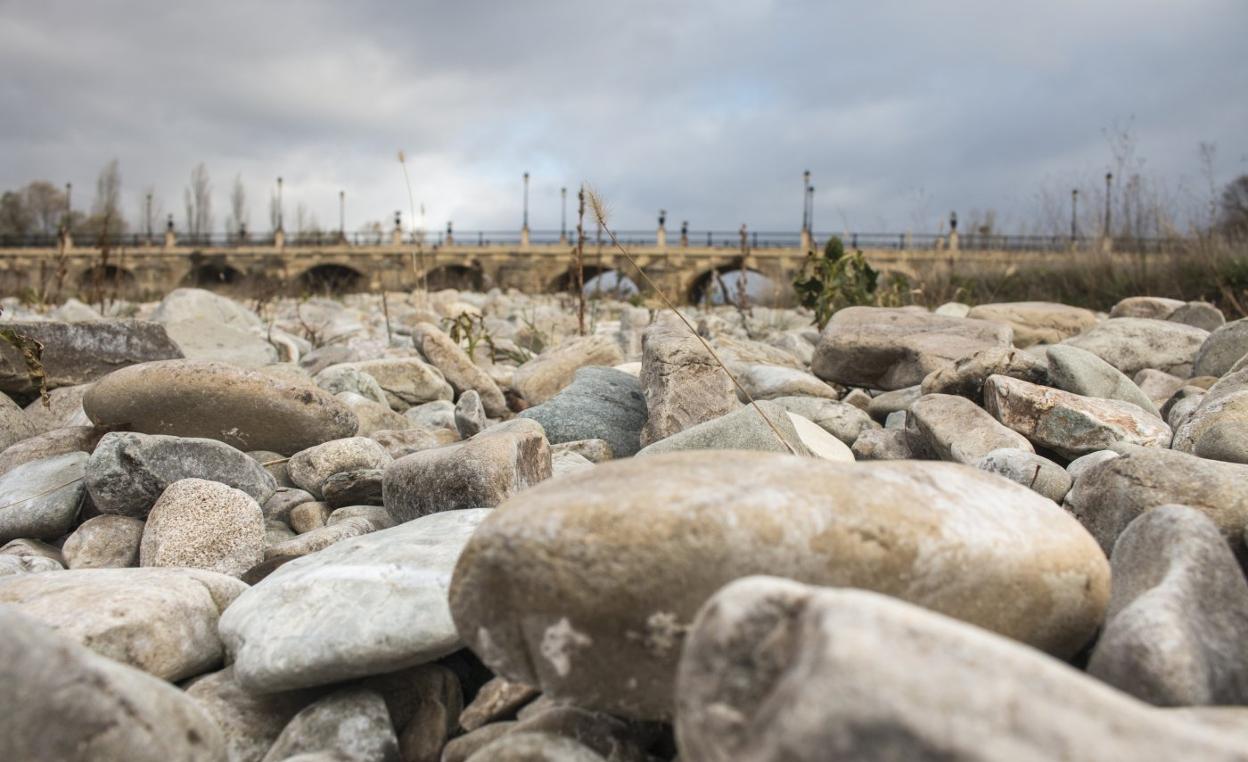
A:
(682, 271)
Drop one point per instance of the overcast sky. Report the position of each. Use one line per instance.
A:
(710, 110)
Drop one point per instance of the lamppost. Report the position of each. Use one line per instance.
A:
(525, 226)
(342, 215)
(147, 218)
(563, 215)
(1109, 178)
(69, 209)
(279, 204)
(1074, 206)
(806, 200)
(810, 216)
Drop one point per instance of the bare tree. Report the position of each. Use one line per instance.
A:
(198, 202)
(1233, 211)
(15, 218)
(237, 223)
(46, 204)
(106, 219)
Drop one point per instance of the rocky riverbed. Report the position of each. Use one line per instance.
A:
(451, 527)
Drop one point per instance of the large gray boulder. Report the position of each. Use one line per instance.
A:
(128, 471)
(682, 382)
(894, 348)
(600, 403)
(773, 669)
(1080, 372)
(208, 326)
(363, 606)
(585, 585)
(62, 702)
(243, 408)
(1133, 344)
(1222, 349)
(78, 353)
(162, 621)
(41, 499)
(1178, 609)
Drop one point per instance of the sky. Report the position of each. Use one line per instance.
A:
(903, 110)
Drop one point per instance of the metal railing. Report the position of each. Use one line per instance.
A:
(730, 240)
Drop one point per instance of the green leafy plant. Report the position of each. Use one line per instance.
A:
(834, 280)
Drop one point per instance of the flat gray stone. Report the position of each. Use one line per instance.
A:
(600, 403)
(41, 499)
(1080, 372)
(78, 353)
(949, 427)
(743, 429)
(363, 606)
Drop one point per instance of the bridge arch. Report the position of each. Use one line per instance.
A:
(465, 277)
(330, 278)
(106, 276)
(566, 280)
(213, 275)
(760, 288)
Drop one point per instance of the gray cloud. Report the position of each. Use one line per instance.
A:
(710, 110)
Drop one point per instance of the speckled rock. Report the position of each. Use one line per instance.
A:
(598, 622)
(313, 622)
(1132, 344)
(41, 499)
(681, 381)
(104, 542)
(896, 348)
(1033, 471)
(311, 467)
(1070, 424)
(244, 409)
(778, 670)
(206, 525)
(128, 472)
(479, 473)
(62, 702)
(162, 621)
(1177, 611)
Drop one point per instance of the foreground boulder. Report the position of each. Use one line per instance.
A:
(775, 670)
(162, 621)
(1111, 494)
(1070, 424)
(78, 353)
(600, 403)
(892, 348)
(363, 606)
(243, 408)
(682, 382)
(128, 472)
(62, 702)
(569, 586)
(479, 473)
(1177, 613)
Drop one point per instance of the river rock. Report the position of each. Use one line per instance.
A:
(593, 450)
(62, 702)
(162, 621)
(682, 383)
(948, 427)
(1070, 424)
(1133, 344)
(1217, 426)
(1200, 314)
(436, 414)
(542, 377)
(78, 353)
(1110, 495)
(600, 403)
(568, 586)
(42, 498)
(1080, 372)
(1158, 386)
(373, 416)
(306, 517)
(479, 473)
(895, 348)
(250, 722)
(752, 427)
(765, 382)
(1037, 322)
(1033, 471)
(359, 486)
(840, 419)
(1152, 307)
(967, 376)
(318, 539)
(535, 747)
(470, 414)
(497, 700)
(459, 369)
(337, 379)
(883, 444)
(207, 525)
(406, 381)
(1222, 349)
(314, 621)
(15, 425)
(310, 468)
(778, 670)
(1177, 609)
(351, 724)
(104, 542)
(283, 501)
(243, 408)
(128, 471)
(64, 409)
(49, 444)
(818, 442)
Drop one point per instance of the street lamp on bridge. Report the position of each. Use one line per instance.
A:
(525, 225)
(1074, 207)
(342, 215)
(1109, 179)
(806, 200)
(279, 204)
(563, 215)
